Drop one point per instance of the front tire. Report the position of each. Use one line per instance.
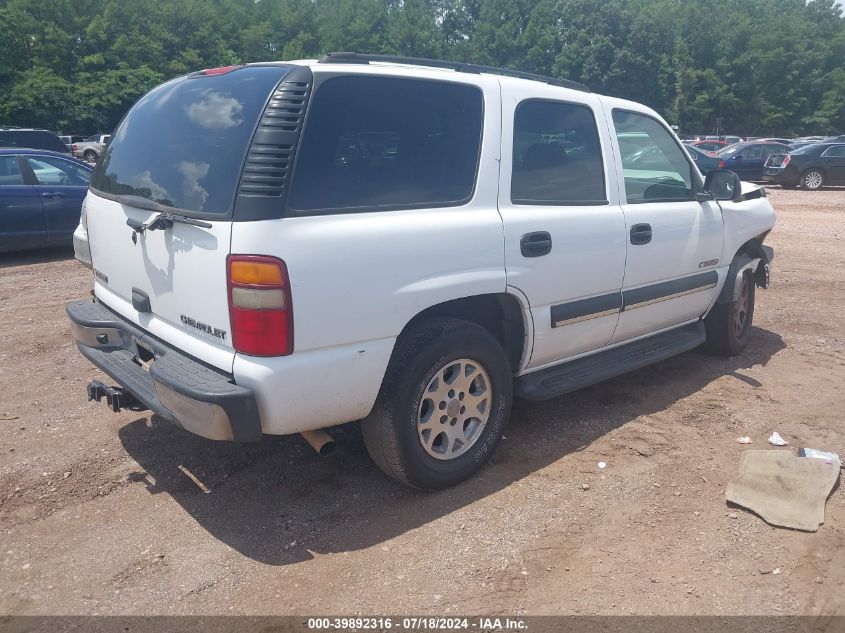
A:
(728, 325)
(812, 179)
(443, 405)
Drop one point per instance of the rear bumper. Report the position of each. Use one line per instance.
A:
(780, 175)
(180, 389)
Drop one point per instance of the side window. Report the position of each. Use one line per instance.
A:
(556, 155)
(10, 171)
(755, 151)
(385, 143)
(837, 151)
(55, 171)
(654, 167)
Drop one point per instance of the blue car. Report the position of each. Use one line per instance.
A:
(746, 160)
(706, 162)
(41, 195)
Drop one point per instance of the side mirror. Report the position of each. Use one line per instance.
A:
(723, 185)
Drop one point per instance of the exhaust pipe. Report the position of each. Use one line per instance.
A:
(319, 440)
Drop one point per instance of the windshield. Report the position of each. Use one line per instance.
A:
(183, 144)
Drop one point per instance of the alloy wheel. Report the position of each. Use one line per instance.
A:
(454, 409)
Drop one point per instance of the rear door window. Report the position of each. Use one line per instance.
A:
(375, 143)
(55, 171)
(755, 151)
(183, 144)
(556, 155)
(10, 171)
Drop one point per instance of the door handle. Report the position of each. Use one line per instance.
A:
(640, 234)
(535, 244)
(53, 194)
(46, 195)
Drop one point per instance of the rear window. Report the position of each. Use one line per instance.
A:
(807, 149)
(374, 143)
(183, 144)
(32, 139)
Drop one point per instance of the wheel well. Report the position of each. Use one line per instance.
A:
(500, 314)
(752, 249)
(821, 170)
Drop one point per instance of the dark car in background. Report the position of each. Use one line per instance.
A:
(706, 161)
(784, 141)
(812, 167)
(41, 196)
(32, 138)
(709, 145)
(747, 159)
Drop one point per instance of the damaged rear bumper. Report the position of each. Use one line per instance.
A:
(180, 389)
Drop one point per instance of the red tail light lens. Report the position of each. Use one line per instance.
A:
(73, 147)
(786, 160)
(721, 163)
(260, 305)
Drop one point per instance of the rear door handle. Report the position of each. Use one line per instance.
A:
(640, 234)
(535, 244)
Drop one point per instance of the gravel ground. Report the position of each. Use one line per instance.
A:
(97, 517)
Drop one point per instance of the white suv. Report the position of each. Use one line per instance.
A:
(404, 242)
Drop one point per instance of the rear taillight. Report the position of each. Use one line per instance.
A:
(260, 305)
(73, 147)
(721, 163)
(785, 161)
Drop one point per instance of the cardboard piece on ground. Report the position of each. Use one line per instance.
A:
(784, 489)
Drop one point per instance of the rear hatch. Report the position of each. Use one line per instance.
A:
(160, 208)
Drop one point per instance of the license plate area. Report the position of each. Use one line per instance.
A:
(144, 354)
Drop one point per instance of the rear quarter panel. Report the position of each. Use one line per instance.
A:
(357, 279)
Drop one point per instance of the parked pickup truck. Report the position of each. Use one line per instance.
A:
(404, 242)
(91, 148)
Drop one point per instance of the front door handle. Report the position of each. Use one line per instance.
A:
(53, 194)
(535, 244)
(640, 234)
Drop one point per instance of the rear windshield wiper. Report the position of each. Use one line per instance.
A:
(164, 219)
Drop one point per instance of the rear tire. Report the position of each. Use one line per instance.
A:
(443, 404)
(90, 155)
(812, 179)
(729, 324)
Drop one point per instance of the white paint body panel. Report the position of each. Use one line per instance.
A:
(588, 242)
(182, 269)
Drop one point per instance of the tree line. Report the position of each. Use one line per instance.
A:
(754, 67)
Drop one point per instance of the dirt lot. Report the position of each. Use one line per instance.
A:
(96, 516)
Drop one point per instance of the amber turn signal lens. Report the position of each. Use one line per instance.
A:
(260, 273)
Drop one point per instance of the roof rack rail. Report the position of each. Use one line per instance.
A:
(461, 67)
